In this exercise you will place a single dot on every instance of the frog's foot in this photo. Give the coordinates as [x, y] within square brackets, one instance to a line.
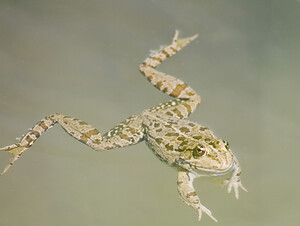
[206, 211]
[16, 150]
[234, 183]
[180, 43]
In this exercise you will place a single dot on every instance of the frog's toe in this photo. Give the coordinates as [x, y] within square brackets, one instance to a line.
[207, 212]
[180, 43]
[16, 150]
[241, 186]
[235, 185]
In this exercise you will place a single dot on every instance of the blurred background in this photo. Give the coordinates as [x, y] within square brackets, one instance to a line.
[80, 58]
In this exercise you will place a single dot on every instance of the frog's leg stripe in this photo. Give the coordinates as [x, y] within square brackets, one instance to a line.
[127, 133]
[169, 84]
[188, 194]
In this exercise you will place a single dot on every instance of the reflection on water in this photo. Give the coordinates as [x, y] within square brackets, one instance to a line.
[81, 59]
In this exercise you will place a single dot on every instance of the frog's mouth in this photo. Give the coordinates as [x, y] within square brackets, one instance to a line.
[212, 172]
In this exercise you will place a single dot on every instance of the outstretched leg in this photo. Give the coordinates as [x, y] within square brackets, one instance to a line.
[188, 194]
[126, 133]
[188, 99]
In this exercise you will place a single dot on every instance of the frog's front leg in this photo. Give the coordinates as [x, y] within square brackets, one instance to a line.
[188, 194]
[235, 180]
[126, 133]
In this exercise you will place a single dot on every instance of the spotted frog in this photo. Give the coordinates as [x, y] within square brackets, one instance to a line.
[192, 148]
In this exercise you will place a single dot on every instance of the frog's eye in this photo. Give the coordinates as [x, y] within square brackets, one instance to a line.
[226, 144]
[199, 151]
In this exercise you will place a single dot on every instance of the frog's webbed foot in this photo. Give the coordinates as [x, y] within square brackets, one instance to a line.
[235, 180]
[180, 43]
[189, 196]
[234, 183]
[16, 150]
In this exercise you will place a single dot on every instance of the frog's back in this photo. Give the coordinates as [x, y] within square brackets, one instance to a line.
[169, 138]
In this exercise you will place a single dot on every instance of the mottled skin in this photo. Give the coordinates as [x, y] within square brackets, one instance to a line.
[192, 148]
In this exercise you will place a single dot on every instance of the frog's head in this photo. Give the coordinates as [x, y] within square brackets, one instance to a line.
[209, 156]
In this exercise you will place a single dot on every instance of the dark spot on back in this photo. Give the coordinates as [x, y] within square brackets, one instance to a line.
[203, 128]
[156, 124]
[169, 113]
[179, 150]
[159, 140]
[184, 129]
[172, 134]
[169, 147]
[81, 122]
[185, 142]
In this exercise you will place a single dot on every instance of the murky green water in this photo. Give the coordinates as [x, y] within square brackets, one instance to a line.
[81, 58]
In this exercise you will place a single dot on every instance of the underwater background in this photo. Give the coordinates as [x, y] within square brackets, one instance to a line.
[80, 58]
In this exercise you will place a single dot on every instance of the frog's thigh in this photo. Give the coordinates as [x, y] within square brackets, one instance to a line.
[124, 134]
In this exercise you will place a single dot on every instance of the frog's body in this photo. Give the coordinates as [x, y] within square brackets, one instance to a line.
[190, 147]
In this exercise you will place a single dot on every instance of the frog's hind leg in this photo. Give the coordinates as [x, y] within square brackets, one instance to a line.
[169, 84]
[126, 133]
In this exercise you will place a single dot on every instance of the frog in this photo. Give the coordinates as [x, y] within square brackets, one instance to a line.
[192, 149]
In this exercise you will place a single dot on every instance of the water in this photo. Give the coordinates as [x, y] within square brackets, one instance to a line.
[81, 59]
